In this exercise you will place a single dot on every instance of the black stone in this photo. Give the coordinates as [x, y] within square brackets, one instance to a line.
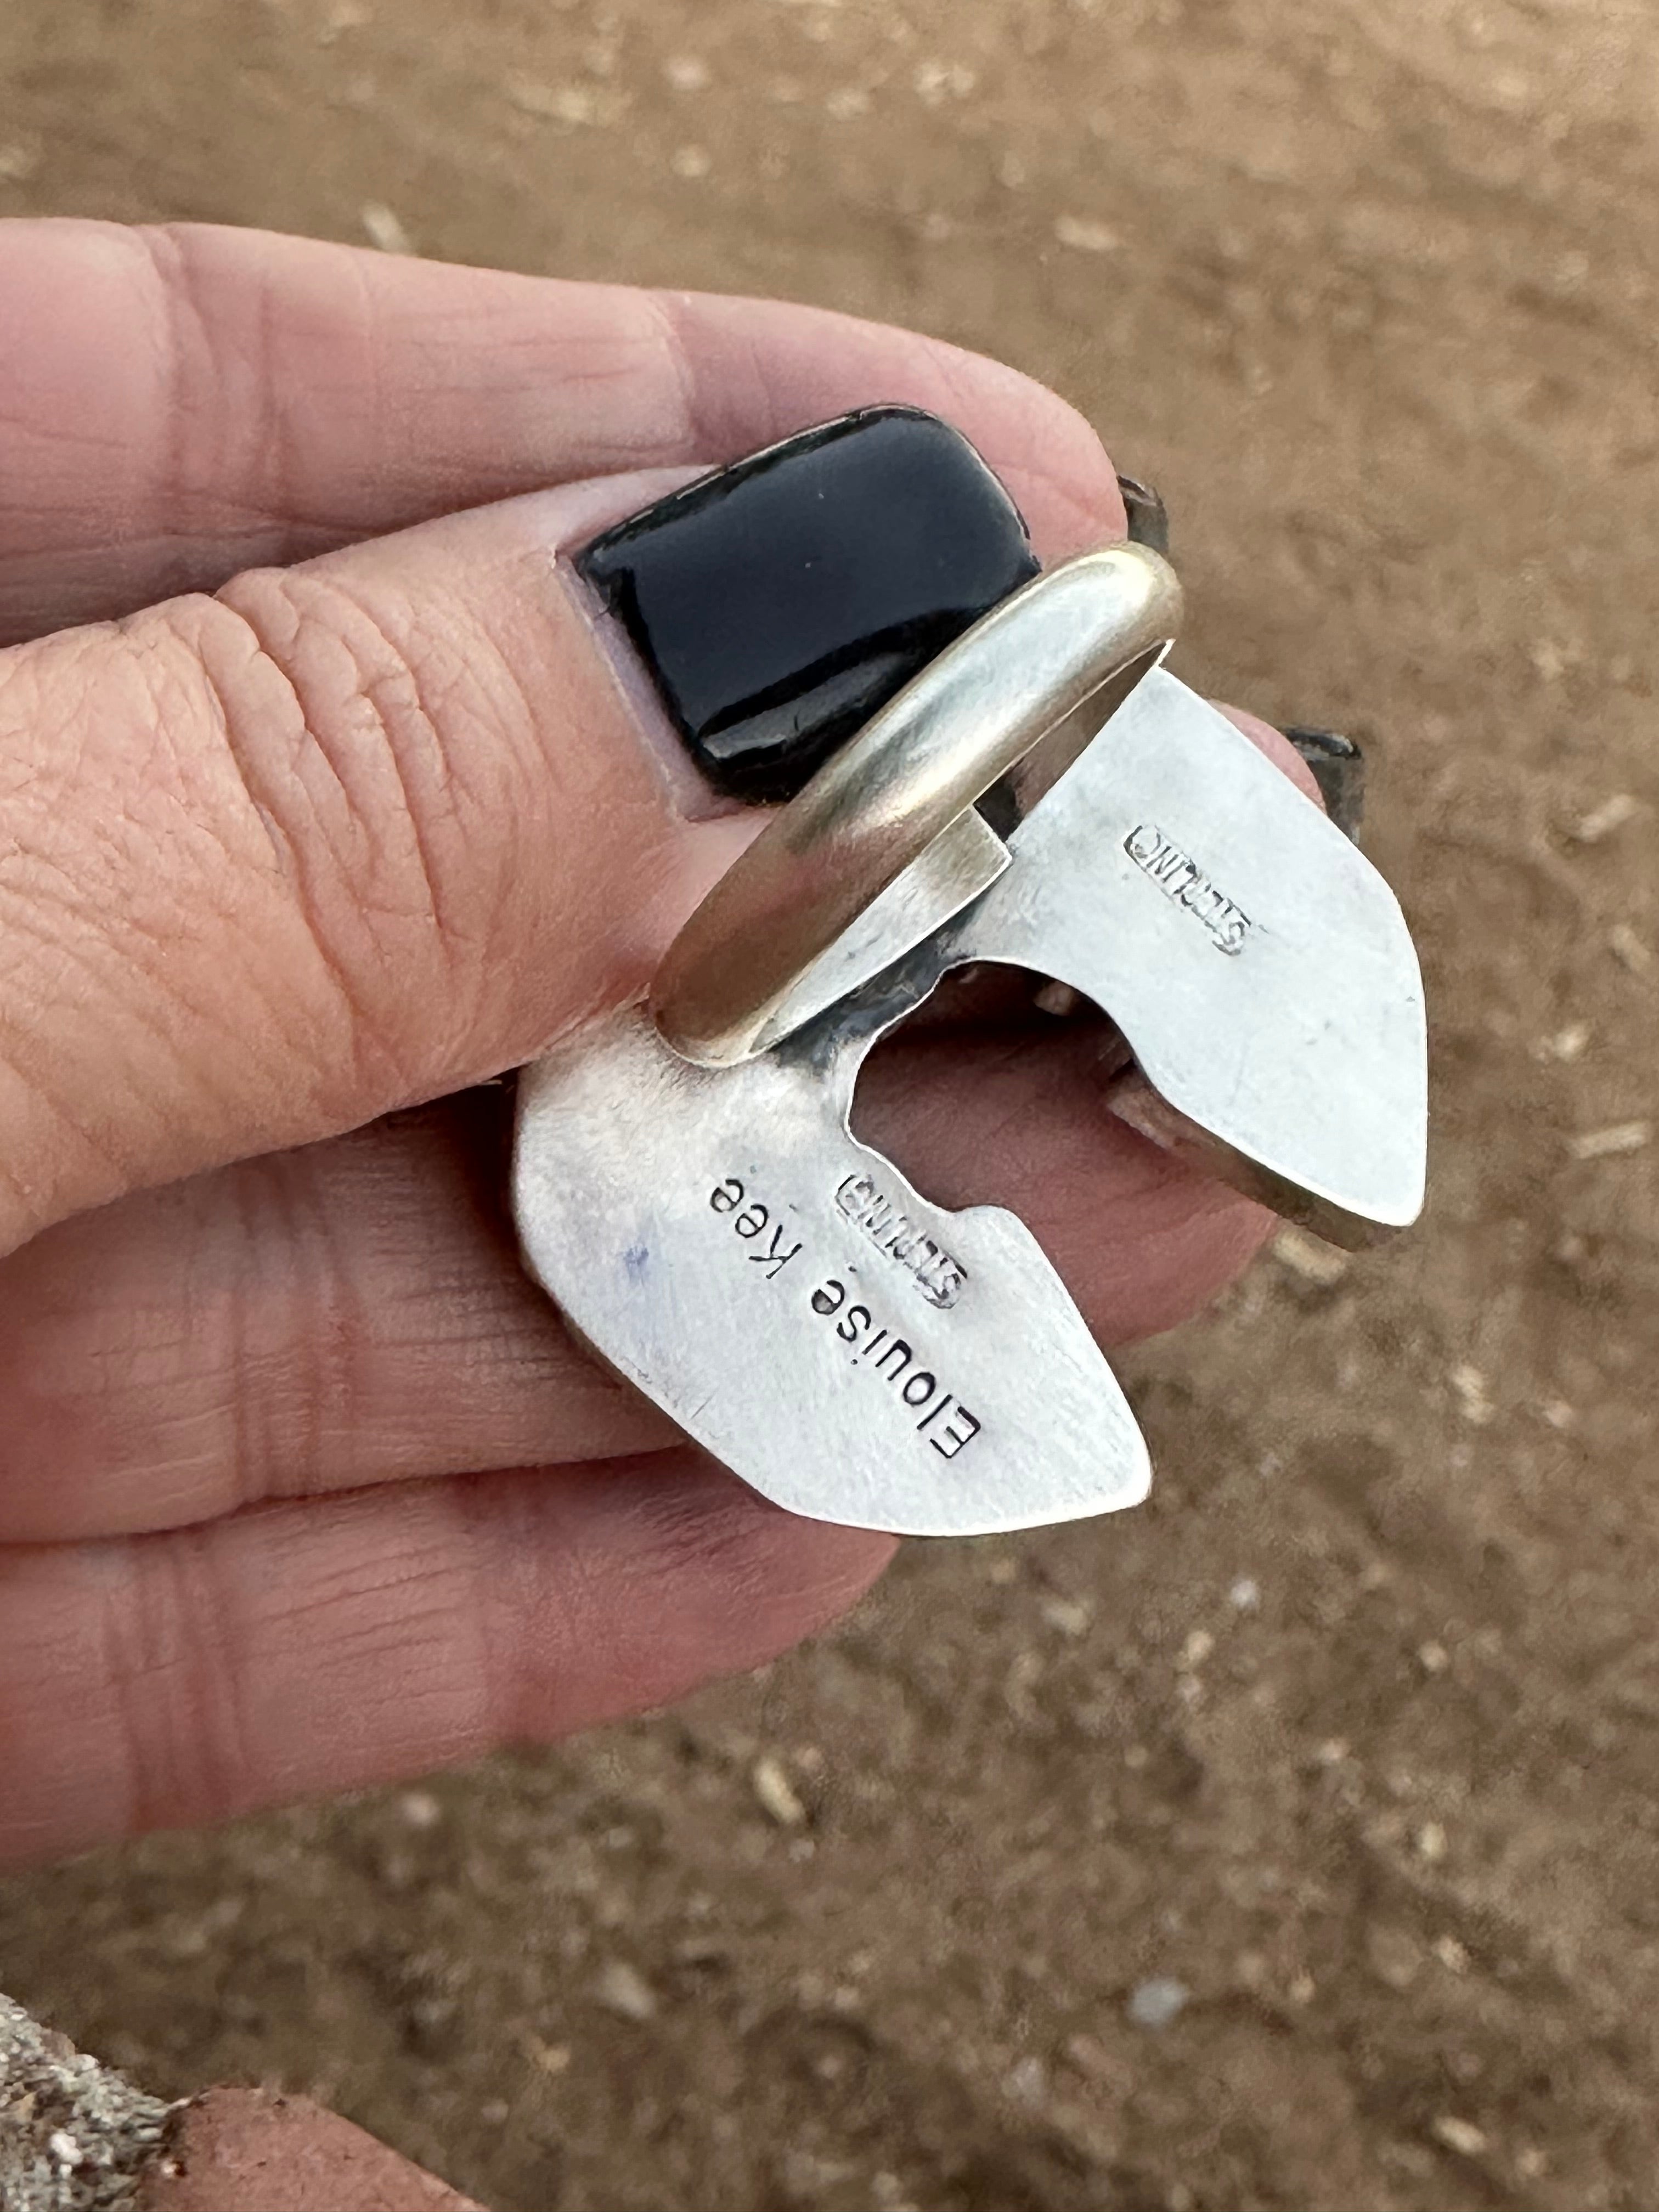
[1338, 769]
[780, 602]
[1149, 518]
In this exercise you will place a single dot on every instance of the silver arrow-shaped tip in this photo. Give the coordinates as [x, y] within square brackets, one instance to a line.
[1257, 963]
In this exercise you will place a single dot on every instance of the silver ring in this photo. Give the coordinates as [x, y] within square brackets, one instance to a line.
[1035, 667]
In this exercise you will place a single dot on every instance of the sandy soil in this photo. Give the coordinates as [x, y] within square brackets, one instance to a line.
[1354, 1732]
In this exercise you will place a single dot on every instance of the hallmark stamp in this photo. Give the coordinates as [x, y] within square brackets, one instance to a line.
[1181, 878]
[936, 1273]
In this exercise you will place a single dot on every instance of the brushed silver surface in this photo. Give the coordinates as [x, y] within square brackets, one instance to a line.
[854, 1352]
[1257, 963]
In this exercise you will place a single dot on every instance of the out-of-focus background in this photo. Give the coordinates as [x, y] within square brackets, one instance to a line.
[1290, 1843]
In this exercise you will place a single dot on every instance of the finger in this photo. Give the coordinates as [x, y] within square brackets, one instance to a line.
[181, 403]
[356, 1312]
[165, 1680]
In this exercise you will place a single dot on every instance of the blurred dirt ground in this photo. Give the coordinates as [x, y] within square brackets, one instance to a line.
[1353, 1733]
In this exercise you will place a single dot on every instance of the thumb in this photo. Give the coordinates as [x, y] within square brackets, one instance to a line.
[344, 836]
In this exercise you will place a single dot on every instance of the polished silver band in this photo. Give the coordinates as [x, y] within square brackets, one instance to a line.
[1051, 662]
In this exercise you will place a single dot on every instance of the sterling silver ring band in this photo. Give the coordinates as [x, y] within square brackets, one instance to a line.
[1050, 663]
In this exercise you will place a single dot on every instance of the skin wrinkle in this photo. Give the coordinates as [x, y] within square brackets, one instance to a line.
[61, 1113]
[132, 840]
[662, 306]
[229, 865]
[262, 433]
[400, 700]
[402, 725]
[332, 1323]
[51, 1640]
[248, 1301]
[169, 275]
[167, 1656]
[509, 1583]
[377, 1062]
[208, 683]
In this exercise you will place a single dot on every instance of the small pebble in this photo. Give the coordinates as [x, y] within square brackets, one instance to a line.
[622, 1989]
[1027, 2081]
[384, 228]
[1245, 1594]
[937, 82]
[1393, 1956]
[1609, 1144]
[63, 2148]
[1473, 1400]
[1304, 1255]
[1431, 1842]
[1083, 236]
[686, 72]
[1601, 821]
[1461, 2136]
[419, 1808]
[1156, 2002]
[550, 2058]
[1628, 949]
[1567, 1045]
[690, 163]
[1070, 1615]
[581, 105]
[776, 1793]
[1433, 1658]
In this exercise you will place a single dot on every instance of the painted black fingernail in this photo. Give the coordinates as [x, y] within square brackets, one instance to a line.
[1338, 769]
[1149, 518]
[779, 603]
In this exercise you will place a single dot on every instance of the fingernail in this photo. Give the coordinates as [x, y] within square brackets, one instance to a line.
[778, 604]
[1149, 518]
[1338, 769]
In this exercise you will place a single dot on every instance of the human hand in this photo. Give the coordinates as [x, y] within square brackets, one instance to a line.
[302, 1485]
